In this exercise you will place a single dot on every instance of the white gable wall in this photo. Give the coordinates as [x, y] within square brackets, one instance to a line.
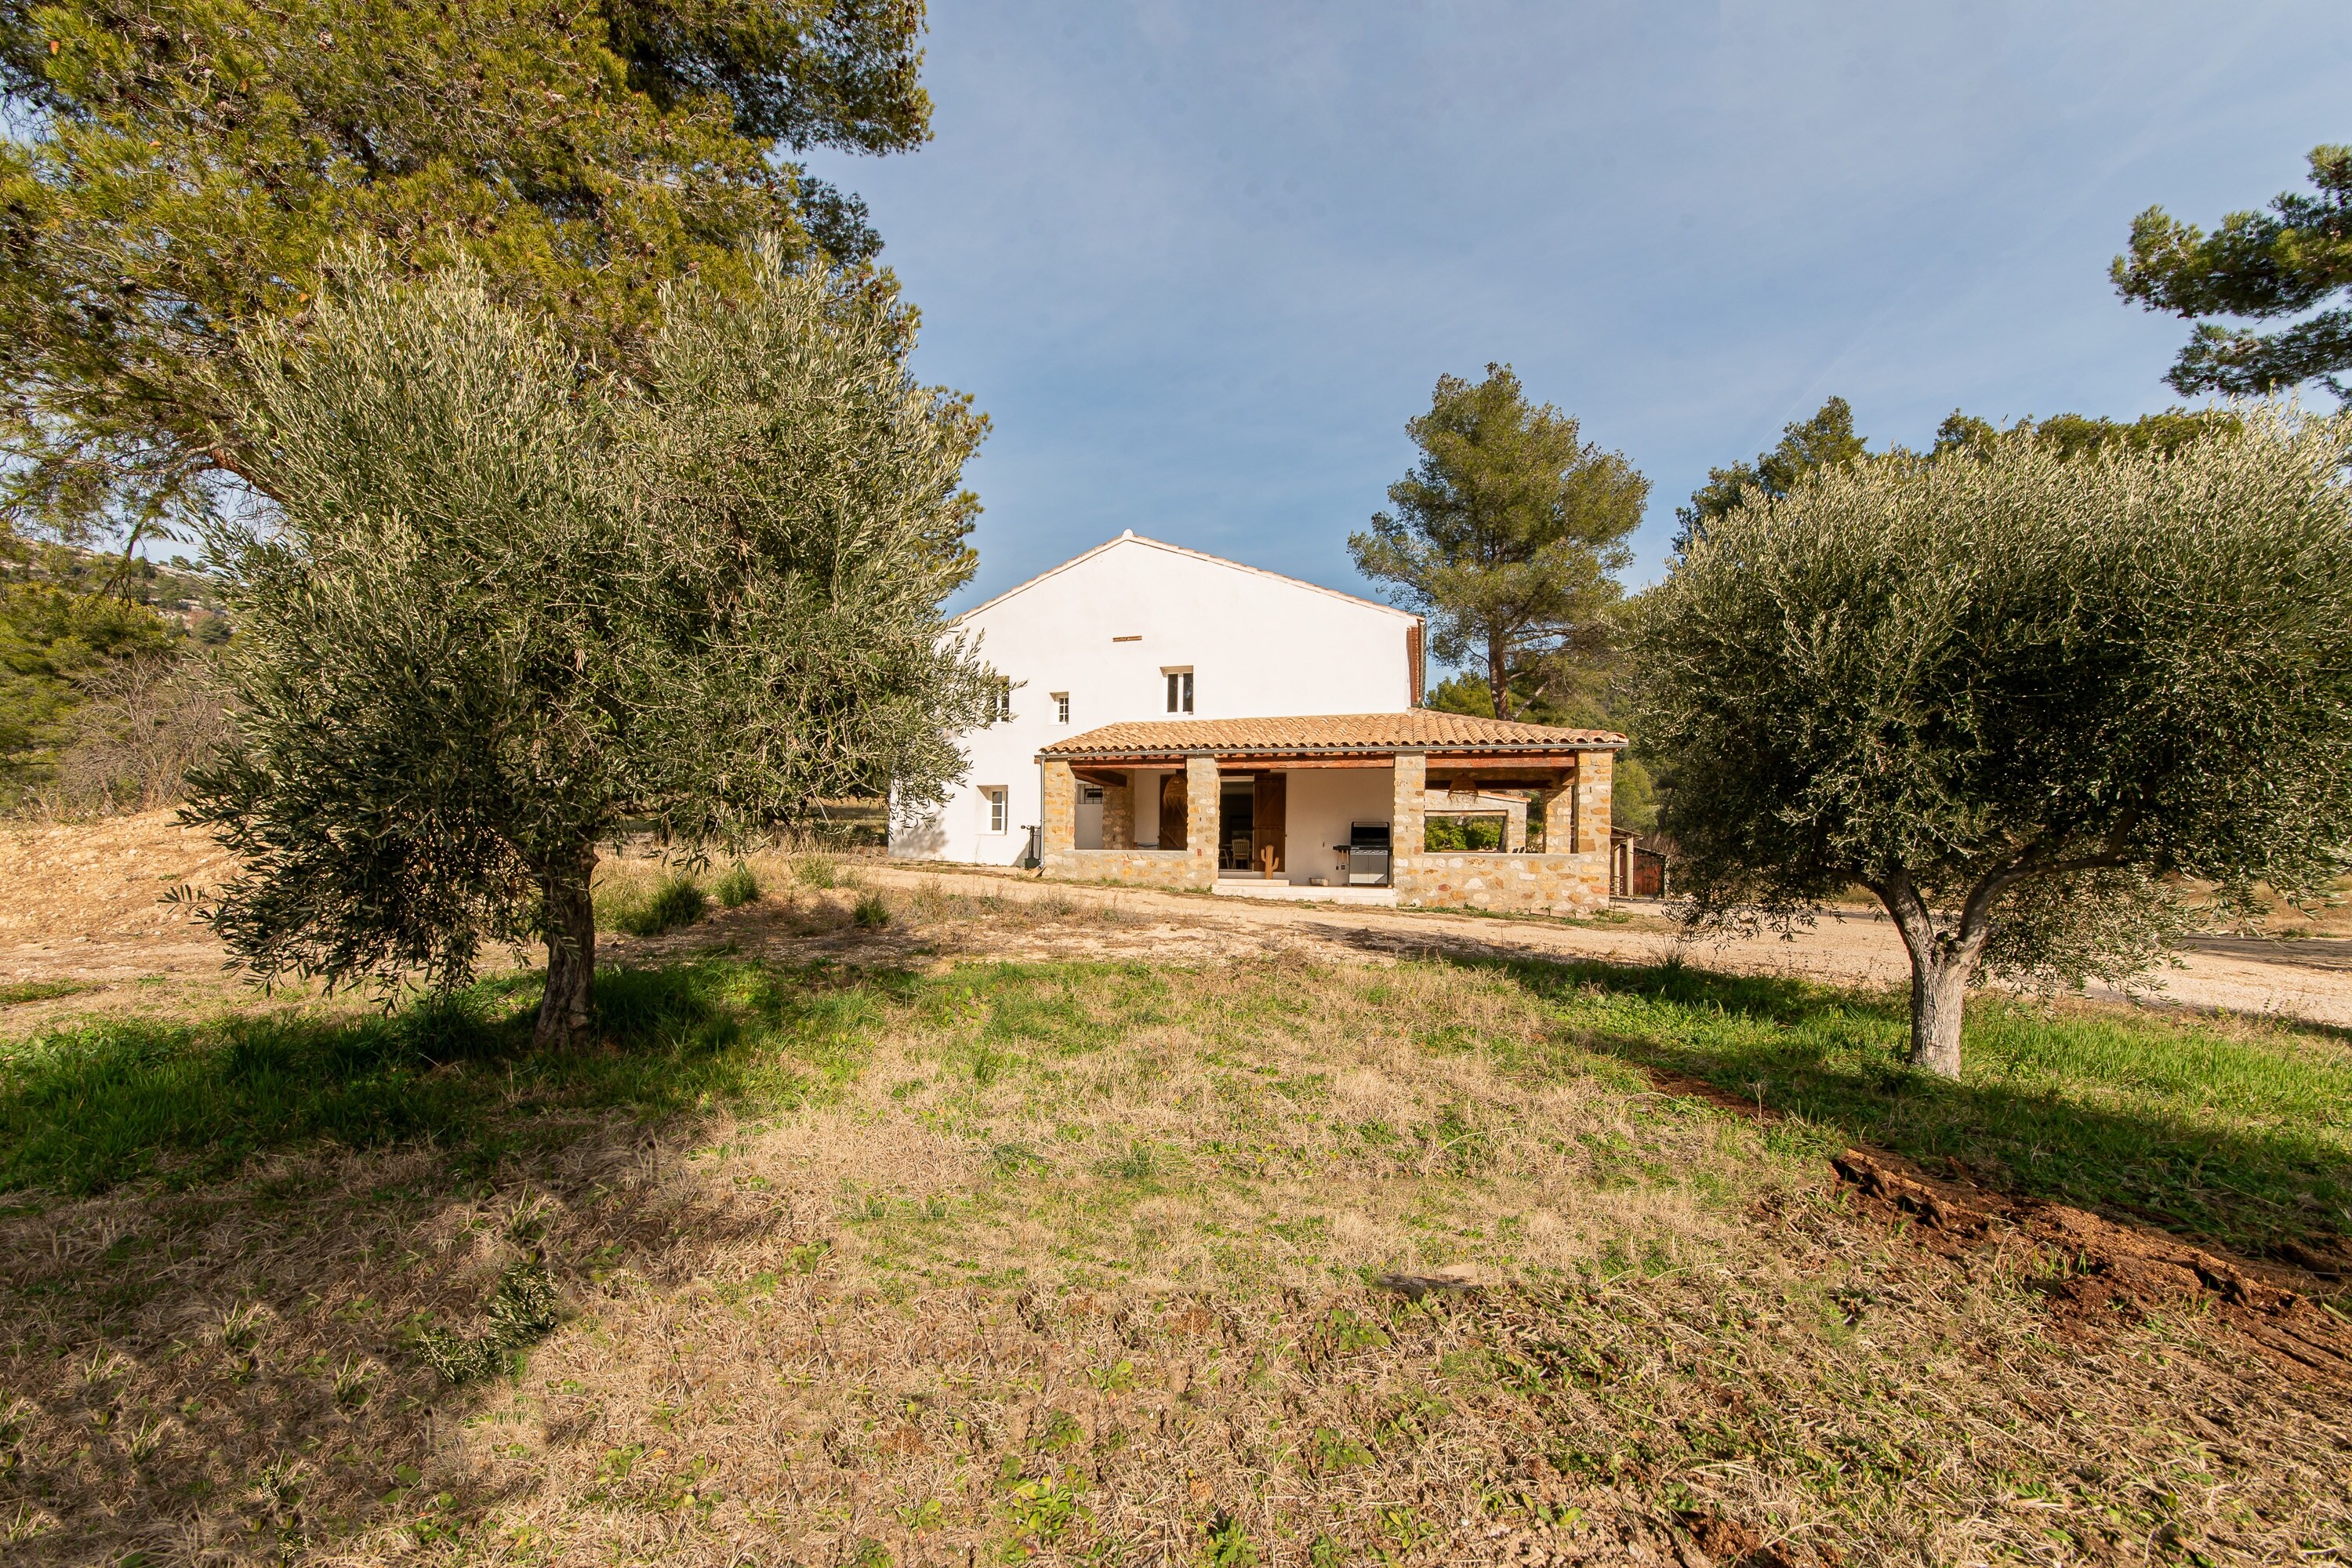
[1258, 646]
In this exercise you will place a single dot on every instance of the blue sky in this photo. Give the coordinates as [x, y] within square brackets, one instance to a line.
[1200, 262]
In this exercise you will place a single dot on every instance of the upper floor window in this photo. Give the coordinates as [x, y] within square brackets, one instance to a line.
[1000, 704]
[1179, 691]
[1061, 707]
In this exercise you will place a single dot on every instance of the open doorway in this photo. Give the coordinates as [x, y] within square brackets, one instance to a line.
[1250, 833]
[1236, 826]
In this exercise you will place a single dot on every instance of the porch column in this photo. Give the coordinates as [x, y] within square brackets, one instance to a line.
[1595, 784]
[1515, 828]
[1119, 817]
[1058, 833]
[1408, 803]
[1559, 816]
[1202, 807]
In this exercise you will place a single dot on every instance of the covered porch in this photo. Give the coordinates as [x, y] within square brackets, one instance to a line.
[1336, 807]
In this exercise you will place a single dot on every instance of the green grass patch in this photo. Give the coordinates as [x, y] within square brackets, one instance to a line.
[99, 1103]
[644, 908]
[42, 990]
[2234, 1132]
[737, 888]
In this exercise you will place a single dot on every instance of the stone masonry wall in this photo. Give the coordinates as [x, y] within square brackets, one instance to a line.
[1522, 884]
[1596, 774]
[1203, 809]
[1057, 830]
[1576, 815]
[1131, 867]
[1407, 812]
[1576, 820]
[1119, 817]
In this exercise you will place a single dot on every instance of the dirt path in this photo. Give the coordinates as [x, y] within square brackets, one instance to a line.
[2310, 981]
[83, 902]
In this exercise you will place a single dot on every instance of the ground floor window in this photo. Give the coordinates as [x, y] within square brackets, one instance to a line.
[998, 811]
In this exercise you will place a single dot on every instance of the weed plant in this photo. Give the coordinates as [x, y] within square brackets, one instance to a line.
[739, 886]
[871, 913]
[641, 907]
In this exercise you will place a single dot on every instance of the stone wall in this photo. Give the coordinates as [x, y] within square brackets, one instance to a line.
[1405, 805]
[1132, 868]
[1119, 817]
[1596, 774]
[1524, 884]
[1057, 823]
[1571, 876]
[1203, 809]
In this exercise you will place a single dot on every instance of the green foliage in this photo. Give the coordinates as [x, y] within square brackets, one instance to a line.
[650, 908]
[1506, 534]
[1825, 441]
[87, 1105]
[522, 1310]
[42, 990]
[2077, 436]
[2015, 695]
[737, 888]
[53, 643]
[505, 604]
[2261, 265]
[1441, 834]
[181, 169]
[1575, 697]
[871, 912]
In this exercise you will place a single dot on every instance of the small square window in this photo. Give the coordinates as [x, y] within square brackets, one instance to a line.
[998, 814]
[1061, 707]
[1179, 691]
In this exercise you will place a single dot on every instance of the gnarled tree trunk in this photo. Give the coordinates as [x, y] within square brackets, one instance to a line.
[1943, 963]
[571, 920]
[1939, 993]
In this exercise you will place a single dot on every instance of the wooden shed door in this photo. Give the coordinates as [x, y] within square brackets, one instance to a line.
[1267, 819]
[1174, 808]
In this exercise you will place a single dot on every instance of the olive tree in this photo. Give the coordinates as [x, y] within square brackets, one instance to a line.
[503, 606]
[2018, 696]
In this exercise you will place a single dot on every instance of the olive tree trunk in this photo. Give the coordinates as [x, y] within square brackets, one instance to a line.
[570, 922]
[1943, 964]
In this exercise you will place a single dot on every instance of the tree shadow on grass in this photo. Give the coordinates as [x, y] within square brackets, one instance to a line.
[90, 1104]
[229, 1251]
[2236, 1135]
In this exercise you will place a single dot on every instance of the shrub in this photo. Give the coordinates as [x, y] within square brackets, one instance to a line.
[815, 871]
[737, 888]
[872, 913]
[1441, 834]
[649, 911]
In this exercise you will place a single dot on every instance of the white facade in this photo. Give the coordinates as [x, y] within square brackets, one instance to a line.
[1094, 641]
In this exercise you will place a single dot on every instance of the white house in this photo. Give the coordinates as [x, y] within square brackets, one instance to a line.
[1135, 630]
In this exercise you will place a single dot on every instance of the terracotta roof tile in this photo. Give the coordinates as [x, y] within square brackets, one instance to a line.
[1418, 730]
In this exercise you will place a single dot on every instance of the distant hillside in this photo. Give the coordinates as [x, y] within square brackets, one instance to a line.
[106, 690]
[178, 590]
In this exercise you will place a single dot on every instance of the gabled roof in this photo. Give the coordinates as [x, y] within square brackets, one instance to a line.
[1131, 537]
[1326, 734]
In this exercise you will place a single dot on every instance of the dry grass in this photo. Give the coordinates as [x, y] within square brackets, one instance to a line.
[1084, 1261]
